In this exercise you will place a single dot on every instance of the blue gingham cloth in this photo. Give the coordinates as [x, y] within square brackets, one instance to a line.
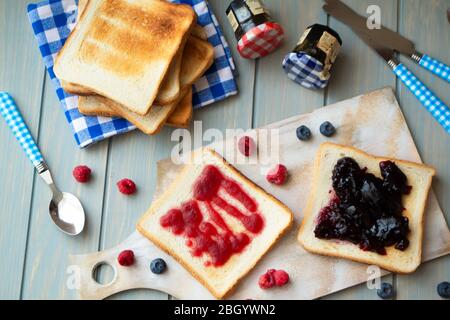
[305, 70]
[52, 21]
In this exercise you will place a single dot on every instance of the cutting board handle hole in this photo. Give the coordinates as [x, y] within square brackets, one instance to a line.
[103, 273]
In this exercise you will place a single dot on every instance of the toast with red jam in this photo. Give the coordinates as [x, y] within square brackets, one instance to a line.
[215, 222]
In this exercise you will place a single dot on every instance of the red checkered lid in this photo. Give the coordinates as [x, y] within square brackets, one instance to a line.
[260, 40]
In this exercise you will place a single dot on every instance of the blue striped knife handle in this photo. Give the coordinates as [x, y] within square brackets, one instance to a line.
[432, 103]
[438, 68]
[14, 120]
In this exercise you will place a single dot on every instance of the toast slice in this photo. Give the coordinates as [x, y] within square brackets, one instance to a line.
[122, 49]
[169, 90]
[149, 124]
[418, 176]
[198, 57]
[200, 239]
[180, 118]
[199, 32]
[91, 106]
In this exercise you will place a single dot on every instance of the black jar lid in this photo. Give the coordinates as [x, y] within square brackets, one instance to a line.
[327, 29]
[245, 18]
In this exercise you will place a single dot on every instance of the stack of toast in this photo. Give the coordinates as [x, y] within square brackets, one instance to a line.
[136, 59]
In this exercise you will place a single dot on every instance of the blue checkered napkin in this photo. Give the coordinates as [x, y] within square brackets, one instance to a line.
[52, 21]
[305, 70]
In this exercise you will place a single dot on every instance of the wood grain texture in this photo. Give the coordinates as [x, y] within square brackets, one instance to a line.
[21, 74]
[431, 36]
[132, 156]
[38, 251]
[276, 96]
[359, 70]
[236, 111]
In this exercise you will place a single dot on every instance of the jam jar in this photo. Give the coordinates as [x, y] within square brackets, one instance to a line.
[256, 32]
[310, 63]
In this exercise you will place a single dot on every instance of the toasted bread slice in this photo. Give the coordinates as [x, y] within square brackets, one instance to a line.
[198, 56]
[169, 90]
[150, 124]
[197, 31]
[122, 49]
[218, 279]
[91, 106]
[419, 177]
[180, 118]
[182, 115]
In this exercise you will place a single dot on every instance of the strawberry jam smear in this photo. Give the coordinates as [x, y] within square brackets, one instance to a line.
[211, 235]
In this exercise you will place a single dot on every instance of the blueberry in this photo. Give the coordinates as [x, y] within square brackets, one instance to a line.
[158, 266]
[303, 133]
[443, 290]
[386, 291]
[327, 129]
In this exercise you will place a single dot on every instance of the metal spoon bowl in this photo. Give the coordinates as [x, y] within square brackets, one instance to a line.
[68, 214]
[65, 209]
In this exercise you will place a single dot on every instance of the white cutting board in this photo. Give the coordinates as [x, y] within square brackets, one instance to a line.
[373, 123]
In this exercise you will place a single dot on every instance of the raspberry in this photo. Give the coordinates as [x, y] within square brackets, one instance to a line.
[266, 281]
[246, 146]
[126, 258]
[81, 173]
[277, 175]
[281, 277]
[271, 272]
[126, 186]
[273, 278]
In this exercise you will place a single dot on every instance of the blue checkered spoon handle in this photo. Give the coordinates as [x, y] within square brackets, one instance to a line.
[438, 68]
[431, 102]
[14, 120]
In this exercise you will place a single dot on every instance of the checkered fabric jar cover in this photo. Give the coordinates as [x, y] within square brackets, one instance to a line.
[305, 70]
[260, 40]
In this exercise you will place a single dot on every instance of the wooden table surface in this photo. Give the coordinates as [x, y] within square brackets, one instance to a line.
[34, 252]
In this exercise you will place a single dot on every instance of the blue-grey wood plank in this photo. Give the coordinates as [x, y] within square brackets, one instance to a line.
[425, 23]
[21, 74]
[359, 70]
[135, 155]
[276, 96]
[48, 248]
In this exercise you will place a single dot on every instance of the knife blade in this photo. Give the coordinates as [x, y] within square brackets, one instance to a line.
[358, 24]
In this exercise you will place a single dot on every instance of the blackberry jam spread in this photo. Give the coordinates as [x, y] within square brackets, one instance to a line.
[201, 222]
[365, 209]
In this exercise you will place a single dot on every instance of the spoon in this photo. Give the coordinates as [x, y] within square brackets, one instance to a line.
[65, 209]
